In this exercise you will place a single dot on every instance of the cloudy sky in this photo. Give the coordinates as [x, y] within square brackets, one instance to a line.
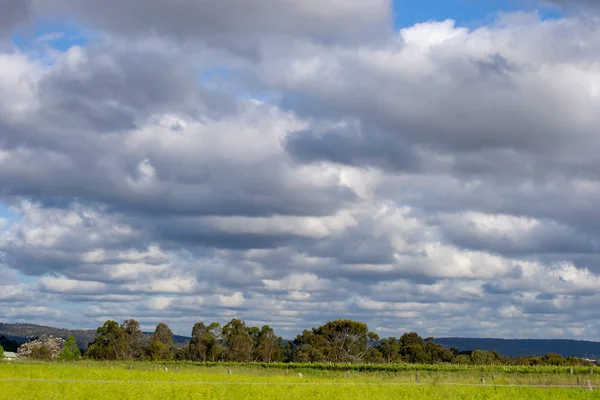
[429, 167]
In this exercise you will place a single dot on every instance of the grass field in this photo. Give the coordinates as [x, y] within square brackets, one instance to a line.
[94, 380]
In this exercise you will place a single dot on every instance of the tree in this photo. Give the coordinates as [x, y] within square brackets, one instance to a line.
[163, 334]
[390, 349]
[268, 346]
[346, 340]
[160, 345]
[238, 343]
[70, 350]
[133, 339]
[373, 356]
[553, 359]
[438, 353]
[461, 359]
[109, 343]
[203, 341]
[416, 354]
[308, 347]
[158, 351]
[1, 351]
[42, 353]
[482, 357]
[411, 338]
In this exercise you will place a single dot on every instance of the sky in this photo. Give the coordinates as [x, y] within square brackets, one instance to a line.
[420, 166]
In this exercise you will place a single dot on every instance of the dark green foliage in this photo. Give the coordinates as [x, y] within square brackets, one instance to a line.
[482, 357]
[203, 345]
[160, 345]
[9, 345]
[133, 339]
[268, 346]
[70, 350]
[1, 351]
[390, 350]
[462, 359]
[237, 341]
[41, 353]
[110, 343]
[336, 341]
[340, 342]
[158, 351]
[163, 334]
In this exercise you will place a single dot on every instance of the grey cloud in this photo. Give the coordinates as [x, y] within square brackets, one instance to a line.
[13, 13]
[91, 135]
[352, 146]
[541, 237]
[579, 5]
[234, 24]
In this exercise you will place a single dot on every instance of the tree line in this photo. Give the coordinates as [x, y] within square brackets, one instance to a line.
[340, 341]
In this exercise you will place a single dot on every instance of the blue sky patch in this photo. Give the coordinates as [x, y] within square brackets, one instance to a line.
[469, 13]
[60, 35]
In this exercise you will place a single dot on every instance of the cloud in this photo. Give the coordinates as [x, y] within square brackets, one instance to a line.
[233, 24]
[188, 164]
[13, 13]
[579, 5]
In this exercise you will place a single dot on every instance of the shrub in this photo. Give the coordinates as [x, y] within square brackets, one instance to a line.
[70, 350]
[41, 353]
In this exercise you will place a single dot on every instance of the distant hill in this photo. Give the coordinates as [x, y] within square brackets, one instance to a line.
[21, 333]
[526, 347]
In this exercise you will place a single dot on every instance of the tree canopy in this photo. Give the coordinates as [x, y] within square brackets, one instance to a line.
[339, 341]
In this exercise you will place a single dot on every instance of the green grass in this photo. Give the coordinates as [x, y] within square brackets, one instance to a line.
[94, 380]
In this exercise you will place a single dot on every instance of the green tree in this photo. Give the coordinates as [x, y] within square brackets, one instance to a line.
[163, 334]
[109, 343]
[482, 357]
[268, 347]
[1, 351]
[41, 353]
[238, 342]
[70, 350]
[553, 359]
[416, 354]
[461, 359]
[373, 356]
[411, 338]
[158, 351]
[203, 341]
[346, 340]
[308, 347]
[160, 345]
[438, 353]
[390, 349]
[133, 339]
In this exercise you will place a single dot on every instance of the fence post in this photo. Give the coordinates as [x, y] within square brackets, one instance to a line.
[571, 370]
[589, 385]
[417, 378]
[483, 381]
[578, 381]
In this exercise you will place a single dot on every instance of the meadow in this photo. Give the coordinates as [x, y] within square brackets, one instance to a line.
[139, 380]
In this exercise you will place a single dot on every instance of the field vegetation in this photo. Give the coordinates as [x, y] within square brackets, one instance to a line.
[182, 380]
